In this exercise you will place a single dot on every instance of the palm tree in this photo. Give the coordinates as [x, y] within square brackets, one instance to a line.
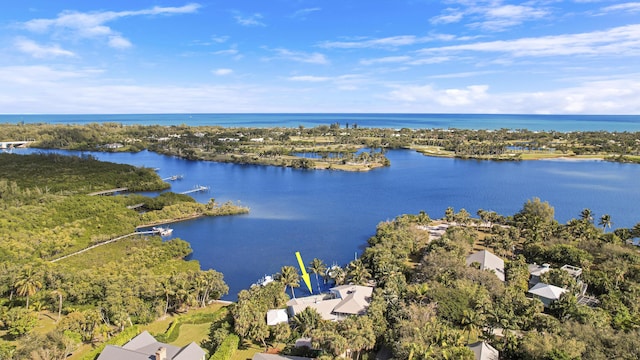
[605, 221]
[470, 321]
[58, 294]
[306, 321]
[317, 266]
[358, 272]
[419, 292]
[289, 277]
[586, 215]
[337, 274]
[28, 283]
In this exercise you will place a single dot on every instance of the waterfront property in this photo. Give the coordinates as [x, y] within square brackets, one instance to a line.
[487, 261]
[341, 302]
[145, 347]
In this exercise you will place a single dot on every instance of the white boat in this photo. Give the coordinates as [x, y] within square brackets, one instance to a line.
[163, 231]
[263, 281]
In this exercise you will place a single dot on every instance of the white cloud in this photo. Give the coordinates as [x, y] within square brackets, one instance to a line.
[447, 97]
[309, 78]
[302, 13]
[251, 20]
[91, 25]
[430, 60]
[222, 72]
[34, 76]
[451, 16]
[41, 51]
[226, 52]
[461, 74]
[387, 42]
[385, 60]
[299, 56]
[616, 96]
[33, 89]
[490, 15]
[619, 41]
[118, 42]
[219, 39]
[629, 8]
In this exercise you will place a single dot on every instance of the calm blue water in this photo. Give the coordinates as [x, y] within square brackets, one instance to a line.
[562, 123]
[331, 214]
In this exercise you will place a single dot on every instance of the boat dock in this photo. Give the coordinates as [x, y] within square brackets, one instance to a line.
[197, 188]
[173, 178]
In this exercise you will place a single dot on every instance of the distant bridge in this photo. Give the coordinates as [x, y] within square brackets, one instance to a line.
[14, 144]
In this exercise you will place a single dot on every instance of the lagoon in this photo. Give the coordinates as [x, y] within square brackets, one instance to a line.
[331, 214]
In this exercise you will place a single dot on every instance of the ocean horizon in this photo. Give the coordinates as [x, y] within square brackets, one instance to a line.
[534, 122]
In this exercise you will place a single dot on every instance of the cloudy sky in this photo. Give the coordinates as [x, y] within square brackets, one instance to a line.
[396, 56]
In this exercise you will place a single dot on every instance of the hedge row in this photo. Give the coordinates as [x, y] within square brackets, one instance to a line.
[228, 347]
[118, 340]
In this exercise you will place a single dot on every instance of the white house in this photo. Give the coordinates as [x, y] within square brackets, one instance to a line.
[536, 271]
[341, 302]
[546, 293]
[488, 261]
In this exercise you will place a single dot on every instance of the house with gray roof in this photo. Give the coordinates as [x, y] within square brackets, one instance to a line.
[265, 356]
[341, 302]
[484, 351]
[488, 261]
[146, 347]
[536, 271]
[546, 293]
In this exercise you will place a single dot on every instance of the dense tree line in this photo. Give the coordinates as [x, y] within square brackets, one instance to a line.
[275, 146]
[96, 294]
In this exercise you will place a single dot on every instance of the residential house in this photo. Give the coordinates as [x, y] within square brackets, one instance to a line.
[341, 302]
[484, 351]
[546, 293]
[536, 271]
[277, 316]
[146, 347]
[488, 261]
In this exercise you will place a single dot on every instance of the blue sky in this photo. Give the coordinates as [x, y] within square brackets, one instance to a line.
[396, 56]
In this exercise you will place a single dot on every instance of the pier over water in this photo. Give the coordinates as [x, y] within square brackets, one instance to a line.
[14, 144]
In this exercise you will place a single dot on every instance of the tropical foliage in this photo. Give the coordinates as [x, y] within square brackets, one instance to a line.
[96, 294]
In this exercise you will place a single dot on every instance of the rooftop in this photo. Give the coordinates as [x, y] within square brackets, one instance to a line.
[488, 261]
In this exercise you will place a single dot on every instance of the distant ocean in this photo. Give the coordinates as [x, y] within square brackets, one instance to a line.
[562, 123]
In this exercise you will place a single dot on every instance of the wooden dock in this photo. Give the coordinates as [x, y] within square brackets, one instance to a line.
[108, 192]
[105, 243]
[198, 188]
[173, 178]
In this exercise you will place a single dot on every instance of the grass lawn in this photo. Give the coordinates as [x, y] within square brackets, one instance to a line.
[247, 351]
[192, 333]
[188, 332]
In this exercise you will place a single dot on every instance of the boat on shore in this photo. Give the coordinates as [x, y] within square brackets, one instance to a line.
[162, 231]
